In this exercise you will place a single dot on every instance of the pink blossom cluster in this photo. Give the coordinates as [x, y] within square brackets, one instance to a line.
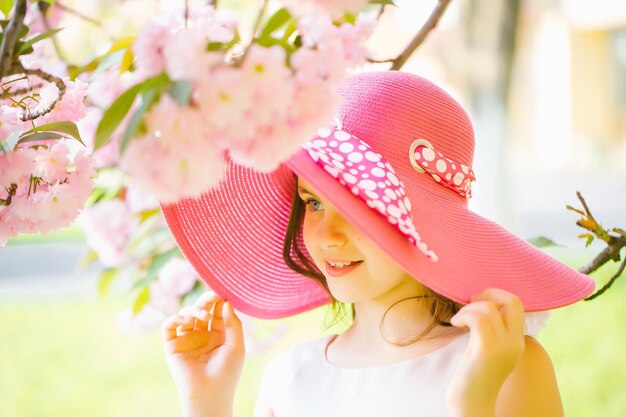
[110, 225]
[330, 8]
[257, 113]
[43, 184]
[61, 190]
[175, 279]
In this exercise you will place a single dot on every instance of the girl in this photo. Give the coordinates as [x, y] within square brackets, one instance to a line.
[371, 212]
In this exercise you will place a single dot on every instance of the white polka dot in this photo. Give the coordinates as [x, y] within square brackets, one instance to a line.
[346, 147]
[399, 192]
[353, 171]
[394, 180]
[378, 205]
[386, 199]
[349, 163]
[448, 176]
[380, 164]
[388, 182]
[362, 167]
[367, 185]
[351, 179]
[437, 177]
[464, 168]
[362, 147]
[342, 135]
[407, 203]
[402, 207]
[333, 143]
[355, 190]
[441, 166]
[453, 166]
[355, 157]
[331, 170]
[458, 178]
[372, 156]
[381, 184]
[323, 132]
[428, 153]
[389, 192]
[392, 220]
[320, 142]
[365, 176]
[378, 172]
[372, 195]
[417, 156]
[393, 210]
[336, 156]
[422, 246]
[389, 167]
[338, 164]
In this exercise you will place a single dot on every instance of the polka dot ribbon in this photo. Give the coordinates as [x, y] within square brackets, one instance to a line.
[367, 175]
[445, 171]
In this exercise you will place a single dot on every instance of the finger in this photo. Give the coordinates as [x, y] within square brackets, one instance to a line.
[510, 305]
[201, 317]
[481, 317]
[169, 325]
[233, 328]
[207, 299]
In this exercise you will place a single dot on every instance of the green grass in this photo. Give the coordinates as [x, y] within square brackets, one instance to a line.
[65, 357]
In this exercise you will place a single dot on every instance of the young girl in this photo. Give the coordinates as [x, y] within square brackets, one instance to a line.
[371, 212]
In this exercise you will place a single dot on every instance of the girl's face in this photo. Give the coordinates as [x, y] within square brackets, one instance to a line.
[330, 237]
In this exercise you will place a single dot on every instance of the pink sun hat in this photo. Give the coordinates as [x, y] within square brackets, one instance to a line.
[397, 165]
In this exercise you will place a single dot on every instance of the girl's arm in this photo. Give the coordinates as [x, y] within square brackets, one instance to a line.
[502, 373]
[531, 389]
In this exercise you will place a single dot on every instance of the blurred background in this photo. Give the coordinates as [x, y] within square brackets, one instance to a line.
[545, 84]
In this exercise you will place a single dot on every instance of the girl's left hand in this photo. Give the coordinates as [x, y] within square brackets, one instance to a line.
[495, 319]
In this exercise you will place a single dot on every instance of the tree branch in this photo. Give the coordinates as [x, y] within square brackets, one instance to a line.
[419, 38]
[50, 78]
[257, 23]
[619, 272]
[10, 36]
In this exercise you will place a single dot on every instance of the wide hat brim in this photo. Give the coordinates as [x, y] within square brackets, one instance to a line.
[233, 235]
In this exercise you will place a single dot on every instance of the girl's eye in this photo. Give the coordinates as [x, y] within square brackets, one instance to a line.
[314, 204]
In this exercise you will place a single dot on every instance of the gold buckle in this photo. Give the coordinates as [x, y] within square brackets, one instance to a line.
[413, 147]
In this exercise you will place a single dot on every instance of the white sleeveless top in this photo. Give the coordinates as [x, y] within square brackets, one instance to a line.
[301, 382]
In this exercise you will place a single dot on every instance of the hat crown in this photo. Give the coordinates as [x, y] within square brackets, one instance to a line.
[389, 110]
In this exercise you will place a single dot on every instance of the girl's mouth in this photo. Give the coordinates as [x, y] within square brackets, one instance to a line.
[340, 271]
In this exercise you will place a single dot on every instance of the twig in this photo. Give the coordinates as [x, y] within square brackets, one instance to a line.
[419, 38]
[50, 78]
[619, 272]
[239, 61]
[10, 36]
[77, 13]
[612, 252]
[12, 93]
[186, 13]
[43, 9]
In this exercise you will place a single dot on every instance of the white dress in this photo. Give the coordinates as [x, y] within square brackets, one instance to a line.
[301, 382]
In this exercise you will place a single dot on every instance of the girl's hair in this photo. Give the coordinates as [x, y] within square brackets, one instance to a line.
[295, 255]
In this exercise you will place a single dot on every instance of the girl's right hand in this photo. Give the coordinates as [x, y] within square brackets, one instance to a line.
[205, 360]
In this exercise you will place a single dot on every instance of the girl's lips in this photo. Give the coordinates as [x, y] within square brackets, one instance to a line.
[337, 272]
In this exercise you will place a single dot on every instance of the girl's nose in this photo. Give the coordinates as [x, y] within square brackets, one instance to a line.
[331, 230]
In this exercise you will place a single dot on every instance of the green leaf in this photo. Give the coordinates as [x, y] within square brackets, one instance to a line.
[198, 288]
[29, 43]
[589, 240]
[155, 266]
[275, 22]
[114, 115]
[181, 92]
[292, 26]
[542, 242]
[88, 259]
[66, 127]
[10, 142]
[104, 281]
[267, 42]
[142, 299]
[147, 99]
[40, 136]
[6, 6]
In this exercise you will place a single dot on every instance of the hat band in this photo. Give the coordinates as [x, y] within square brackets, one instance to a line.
[451, 174]
[369, 176]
